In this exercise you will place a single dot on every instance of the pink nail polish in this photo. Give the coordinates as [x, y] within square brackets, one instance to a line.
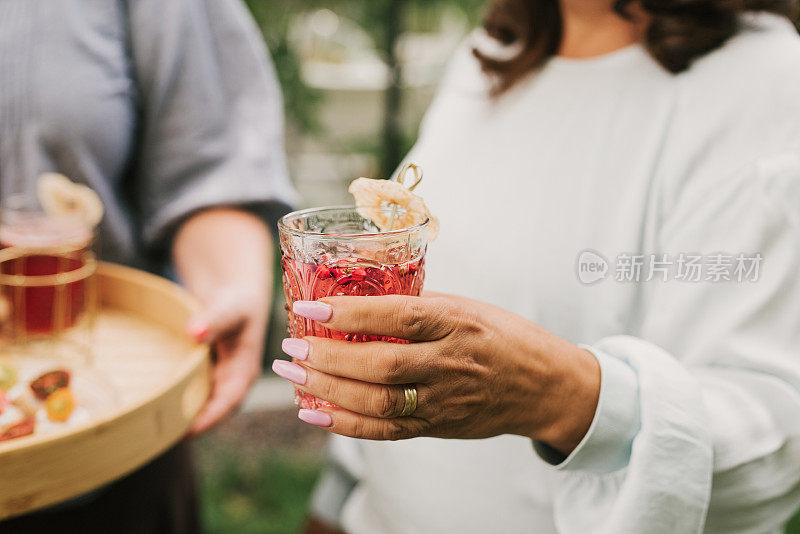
[313, 309]
[290, 371]
[296, 348]
[314, 417]
[198, 330]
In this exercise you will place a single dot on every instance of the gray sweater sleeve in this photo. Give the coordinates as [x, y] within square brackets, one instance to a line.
[211, 113]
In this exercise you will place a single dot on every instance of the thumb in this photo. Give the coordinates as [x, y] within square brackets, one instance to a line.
[218, 319]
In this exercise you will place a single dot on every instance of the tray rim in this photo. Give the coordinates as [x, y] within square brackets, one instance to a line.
[193, 358]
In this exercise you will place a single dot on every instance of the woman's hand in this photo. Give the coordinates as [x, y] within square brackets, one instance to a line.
[234, 323]
[224, 256]
[479, 371]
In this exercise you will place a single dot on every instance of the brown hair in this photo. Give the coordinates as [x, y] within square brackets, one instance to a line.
[679, 32]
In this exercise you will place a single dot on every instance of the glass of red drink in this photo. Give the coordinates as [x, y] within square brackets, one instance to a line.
[46, 277]
[336, 251]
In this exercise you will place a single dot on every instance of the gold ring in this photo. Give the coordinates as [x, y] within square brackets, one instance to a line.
[410, 403]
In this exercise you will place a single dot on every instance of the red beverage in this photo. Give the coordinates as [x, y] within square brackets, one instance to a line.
[328, 258]
[48, 258]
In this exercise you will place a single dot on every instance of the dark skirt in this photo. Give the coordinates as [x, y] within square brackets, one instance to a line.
[159, 498]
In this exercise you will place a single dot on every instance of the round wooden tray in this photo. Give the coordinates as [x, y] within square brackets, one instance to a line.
[160, 376]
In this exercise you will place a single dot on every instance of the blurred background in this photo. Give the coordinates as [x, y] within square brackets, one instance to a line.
[357, 76]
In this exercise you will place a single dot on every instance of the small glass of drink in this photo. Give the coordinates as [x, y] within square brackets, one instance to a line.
[47, 288]
[336, 251]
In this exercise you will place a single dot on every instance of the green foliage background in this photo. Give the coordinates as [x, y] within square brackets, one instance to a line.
[268, 496]
[301, 101]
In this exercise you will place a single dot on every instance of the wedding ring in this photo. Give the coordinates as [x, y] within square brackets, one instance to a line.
[410, 403]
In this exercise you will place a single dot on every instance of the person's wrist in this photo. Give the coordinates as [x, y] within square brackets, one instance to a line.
[245, 290]
[570, 399]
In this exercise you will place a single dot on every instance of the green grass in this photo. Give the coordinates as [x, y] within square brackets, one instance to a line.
[269, 495]
[794, 525]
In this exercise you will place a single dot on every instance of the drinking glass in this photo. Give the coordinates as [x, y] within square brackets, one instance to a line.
[47, 287]
[336, 251]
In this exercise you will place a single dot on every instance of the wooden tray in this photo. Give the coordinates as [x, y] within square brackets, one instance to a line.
[160, 376]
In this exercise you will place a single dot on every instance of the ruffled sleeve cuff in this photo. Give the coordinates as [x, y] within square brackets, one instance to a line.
[606, 447]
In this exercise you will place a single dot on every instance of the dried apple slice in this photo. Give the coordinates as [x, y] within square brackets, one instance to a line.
[373, 196]
[60, 196]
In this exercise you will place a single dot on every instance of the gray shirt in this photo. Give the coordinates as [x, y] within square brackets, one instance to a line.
[163, 107]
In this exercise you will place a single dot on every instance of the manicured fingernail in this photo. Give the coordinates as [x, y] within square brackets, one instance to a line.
[198, 330]
[313, 309]
[314, 417]
[290, 371]
[296, 348]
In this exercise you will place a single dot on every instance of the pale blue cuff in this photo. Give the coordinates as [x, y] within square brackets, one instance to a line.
[606, 447]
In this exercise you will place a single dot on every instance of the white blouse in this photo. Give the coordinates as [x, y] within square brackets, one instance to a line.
[611, 170]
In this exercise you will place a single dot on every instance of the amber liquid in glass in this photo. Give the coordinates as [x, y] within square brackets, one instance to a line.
[45, 309]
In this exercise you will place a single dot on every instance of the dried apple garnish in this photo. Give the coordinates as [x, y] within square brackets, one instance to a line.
[374, 196]
[58, 195]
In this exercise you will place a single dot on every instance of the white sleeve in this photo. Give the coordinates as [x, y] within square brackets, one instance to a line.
[717, 378]
[344, 467]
